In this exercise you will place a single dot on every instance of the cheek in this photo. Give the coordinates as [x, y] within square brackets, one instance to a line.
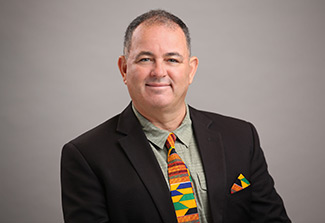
[132, 76]
[135, 81]
[180, 78]
[136, 74]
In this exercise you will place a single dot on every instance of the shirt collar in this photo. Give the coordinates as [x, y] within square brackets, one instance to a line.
[159, 136]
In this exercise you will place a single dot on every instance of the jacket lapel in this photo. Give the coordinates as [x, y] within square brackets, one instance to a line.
[139, 152]
[213, 158]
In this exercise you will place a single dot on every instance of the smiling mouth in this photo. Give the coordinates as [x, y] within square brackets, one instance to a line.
[158, 85]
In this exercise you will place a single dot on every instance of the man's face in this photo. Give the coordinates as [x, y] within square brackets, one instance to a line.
[158, 69]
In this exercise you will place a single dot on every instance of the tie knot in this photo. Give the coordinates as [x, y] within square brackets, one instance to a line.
[170, 142]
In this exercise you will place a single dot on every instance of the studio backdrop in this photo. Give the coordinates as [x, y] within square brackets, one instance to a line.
[261, 61]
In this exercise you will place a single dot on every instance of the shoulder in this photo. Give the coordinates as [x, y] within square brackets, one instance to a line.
[112, 129]
[217, 119]
[98, 136]
[96, 146]
[229, 127]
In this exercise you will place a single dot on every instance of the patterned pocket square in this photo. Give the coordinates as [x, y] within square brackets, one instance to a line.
[240, 184]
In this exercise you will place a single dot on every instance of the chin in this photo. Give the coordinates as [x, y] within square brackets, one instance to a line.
[159, 104]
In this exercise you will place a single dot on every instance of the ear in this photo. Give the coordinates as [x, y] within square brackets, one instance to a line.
[194, 63]
[122, 65]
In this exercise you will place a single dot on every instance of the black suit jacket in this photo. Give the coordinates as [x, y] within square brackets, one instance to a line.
[110, 174]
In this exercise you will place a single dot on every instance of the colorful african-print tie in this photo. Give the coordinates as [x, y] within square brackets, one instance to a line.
[180, 185]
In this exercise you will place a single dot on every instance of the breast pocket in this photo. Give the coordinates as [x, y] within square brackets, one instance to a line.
[241, 196]
[202, 181]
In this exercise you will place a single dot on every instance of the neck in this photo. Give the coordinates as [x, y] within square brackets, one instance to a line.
[163, 118]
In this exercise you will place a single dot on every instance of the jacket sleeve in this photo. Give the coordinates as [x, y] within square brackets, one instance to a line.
[266, 204]
[83, 198]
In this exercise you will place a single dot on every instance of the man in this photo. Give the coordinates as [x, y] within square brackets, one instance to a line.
[211, 169]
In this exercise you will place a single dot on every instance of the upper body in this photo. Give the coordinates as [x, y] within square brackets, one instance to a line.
[186, 147]
[112, 173]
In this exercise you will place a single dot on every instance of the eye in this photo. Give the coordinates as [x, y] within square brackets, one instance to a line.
[146, 59]
[172, 60]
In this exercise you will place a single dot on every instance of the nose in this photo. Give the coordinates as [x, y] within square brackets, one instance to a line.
[158, 69]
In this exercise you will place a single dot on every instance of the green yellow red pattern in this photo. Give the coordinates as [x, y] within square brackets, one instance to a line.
[241, 183]
[180, 185]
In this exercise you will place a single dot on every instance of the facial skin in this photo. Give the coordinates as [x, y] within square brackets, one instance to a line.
[158, 70]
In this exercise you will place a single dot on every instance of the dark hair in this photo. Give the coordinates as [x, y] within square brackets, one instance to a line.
[155, 17]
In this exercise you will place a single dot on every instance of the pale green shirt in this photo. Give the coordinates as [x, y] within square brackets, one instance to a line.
[187, 149]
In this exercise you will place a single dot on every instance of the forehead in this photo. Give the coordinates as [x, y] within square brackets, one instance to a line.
[158, 36]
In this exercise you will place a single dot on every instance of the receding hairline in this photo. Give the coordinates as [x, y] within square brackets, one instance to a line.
[152, 18]
[147, 25]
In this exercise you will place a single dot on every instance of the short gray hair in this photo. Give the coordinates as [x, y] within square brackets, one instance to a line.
[155, 17]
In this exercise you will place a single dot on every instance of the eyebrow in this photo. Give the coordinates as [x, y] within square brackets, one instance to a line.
[143, 53]
[174, 54]
[148, 53]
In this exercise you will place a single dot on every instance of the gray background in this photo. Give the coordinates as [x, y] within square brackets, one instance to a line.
[261, 61]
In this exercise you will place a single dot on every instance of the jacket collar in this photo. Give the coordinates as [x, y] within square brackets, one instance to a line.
[140, 154]
[210, 145]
